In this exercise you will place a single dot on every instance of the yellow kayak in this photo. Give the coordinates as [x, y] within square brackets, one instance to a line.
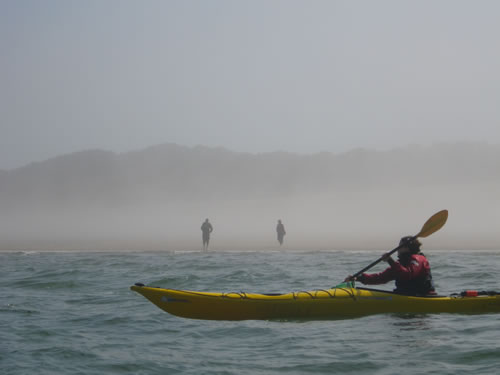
[335, 303]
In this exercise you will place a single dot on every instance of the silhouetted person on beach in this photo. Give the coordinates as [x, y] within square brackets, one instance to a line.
[206, 229]
[280, 230]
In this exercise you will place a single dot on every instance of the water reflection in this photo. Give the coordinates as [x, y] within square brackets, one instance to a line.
[411, 322]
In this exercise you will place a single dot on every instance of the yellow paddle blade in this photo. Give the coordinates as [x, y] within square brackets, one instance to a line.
[434, 224]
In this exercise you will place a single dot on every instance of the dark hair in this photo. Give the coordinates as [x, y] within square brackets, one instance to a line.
[412, 243]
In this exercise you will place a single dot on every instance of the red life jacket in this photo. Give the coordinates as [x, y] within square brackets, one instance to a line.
[412, 275]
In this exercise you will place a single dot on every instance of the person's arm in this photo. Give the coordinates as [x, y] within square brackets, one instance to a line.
[377, 278]
[374, 278]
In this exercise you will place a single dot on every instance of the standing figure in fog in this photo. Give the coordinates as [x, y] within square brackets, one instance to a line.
[206, 229]
[280, 230]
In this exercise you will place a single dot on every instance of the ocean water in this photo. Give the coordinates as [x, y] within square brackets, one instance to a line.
[73, 313]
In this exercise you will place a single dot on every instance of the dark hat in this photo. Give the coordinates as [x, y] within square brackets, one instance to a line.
[411, 243]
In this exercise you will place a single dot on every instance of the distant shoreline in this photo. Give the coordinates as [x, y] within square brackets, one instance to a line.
[241, 250]
[156, 199]
[293, 243]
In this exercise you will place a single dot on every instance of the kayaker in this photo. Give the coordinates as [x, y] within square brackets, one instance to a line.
[206, 229]
[411, 272]
[280, 230]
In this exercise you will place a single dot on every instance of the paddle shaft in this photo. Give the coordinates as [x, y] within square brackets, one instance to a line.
[379, 259]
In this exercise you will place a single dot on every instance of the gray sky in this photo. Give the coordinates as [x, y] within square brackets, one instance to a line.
[300, 76]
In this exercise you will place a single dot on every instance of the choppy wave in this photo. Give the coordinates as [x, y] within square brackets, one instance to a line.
[69, 312]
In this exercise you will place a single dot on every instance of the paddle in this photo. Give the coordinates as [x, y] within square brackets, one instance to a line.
[433, 224]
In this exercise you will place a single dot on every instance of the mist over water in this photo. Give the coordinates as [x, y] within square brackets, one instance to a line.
[84, 83]
[157, 198]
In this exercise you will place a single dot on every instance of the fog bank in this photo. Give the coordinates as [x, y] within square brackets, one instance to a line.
[157, 198]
